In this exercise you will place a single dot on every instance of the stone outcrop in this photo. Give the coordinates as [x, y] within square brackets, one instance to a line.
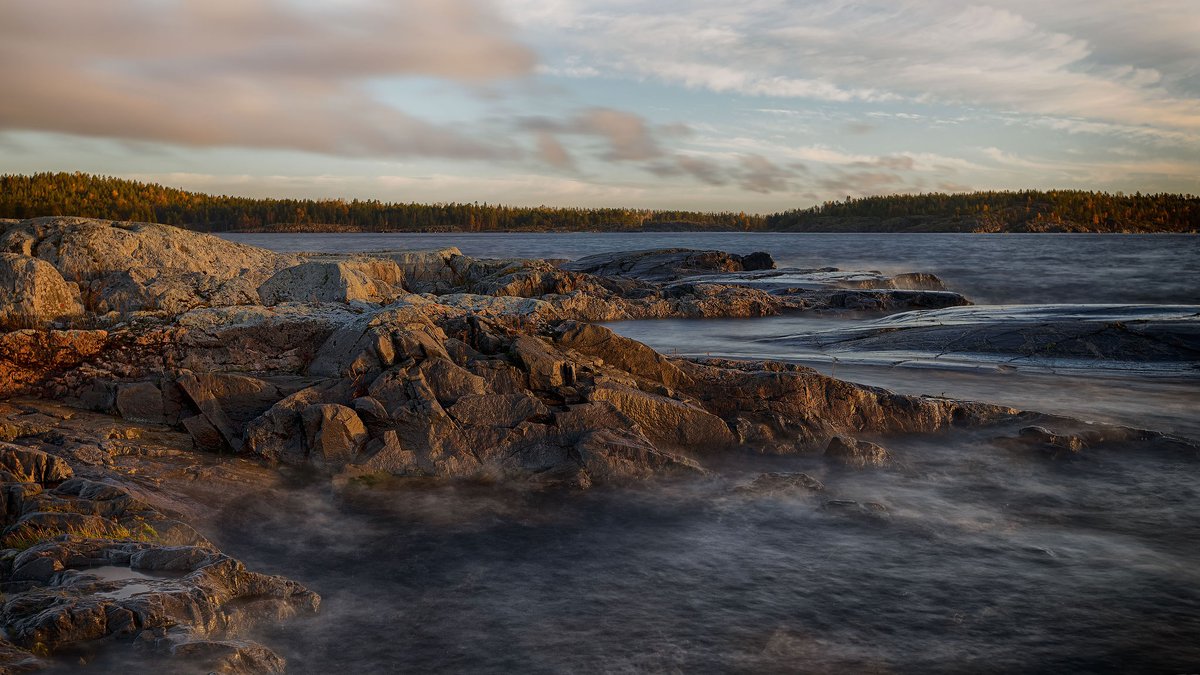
[668, 264]
[366, 280]
[33, 293]
[489, 372]
[83, 248]
[86, 561]
[857, 453]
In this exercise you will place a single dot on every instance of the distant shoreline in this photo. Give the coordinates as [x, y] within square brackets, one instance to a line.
[1031, 211]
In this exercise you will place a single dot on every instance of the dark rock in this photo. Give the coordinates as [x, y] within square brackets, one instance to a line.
[140, 402]
[1043, 436]
[781, 483]
[667, 264]
[856, 453]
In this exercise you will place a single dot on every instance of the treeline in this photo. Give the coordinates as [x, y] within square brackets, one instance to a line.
[79, 194]
[1022, 211]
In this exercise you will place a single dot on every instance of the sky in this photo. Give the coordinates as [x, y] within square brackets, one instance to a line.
[756, 105]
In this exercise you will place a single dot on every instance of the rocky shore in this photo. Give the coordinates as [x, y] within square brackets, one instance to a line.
[148, 372]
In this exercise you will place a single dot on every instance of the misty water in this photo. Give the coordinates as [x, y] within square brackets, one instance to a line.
[972, 553]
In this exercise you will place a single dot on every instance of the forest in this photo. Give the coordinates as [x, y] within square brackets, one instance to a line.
[80, 194]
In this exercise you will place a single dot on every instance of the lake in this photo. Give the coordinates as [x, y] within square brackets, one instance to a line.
[974, 556]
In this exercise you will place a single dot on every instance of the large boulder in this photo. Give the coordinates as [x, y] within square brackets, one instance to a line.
[365, 280]
[33, 293]
[426, 270]
[84, 248]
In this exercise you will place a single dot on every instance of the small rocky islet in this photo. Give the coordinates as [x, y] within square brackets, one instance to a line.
[148, 374]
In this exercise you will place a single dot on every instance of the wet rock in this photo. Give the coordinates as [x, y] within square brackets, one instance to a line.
[363, 280]
[668, 264]
[14, 660]
[219, 596]
[867, 511]
[229, 657]
[172, 559]
[1036, 435]
[856, 453]
[33, 293]
[781, 483]
[334, 433]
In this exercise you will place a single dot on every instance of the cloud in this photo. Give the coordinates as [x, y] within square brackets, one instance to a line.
[552, 152]
[759, 174]
[248, 73]
[1118, 62]
[627, 136]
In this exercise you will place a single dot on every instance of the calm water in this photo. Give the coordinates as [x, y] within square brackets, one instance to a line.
[993, 269]
[982, 556]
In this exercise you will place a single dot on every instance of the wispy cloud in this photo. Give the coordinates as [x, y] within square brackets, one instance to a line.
[248, 73]
[1022, 55]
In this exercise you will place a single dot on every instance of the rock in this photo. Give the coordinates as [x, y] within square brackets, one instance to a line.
[866, 511]
[278, 434]
[15, 660]
[426, 271]
[33, 466]
[386, 454]
[612, 454]
[496, 410]
[334, 434]
[229, 657]
[33, 293]
[84, 248]
[172, 558]
[372, 413]
[668, 264]
[228, 401]
[781, 483]
[140, 402]
[620, 352]
[856, 453]
[74, 608]
[27, 357]
[205, 436]
[667, 421]
[547, 368]
[340, 281]
[1035, 435]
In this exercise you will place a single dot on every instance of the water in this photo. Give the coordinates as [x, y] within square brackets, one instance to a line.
[990, 269]
[985, 555]
[987, 558]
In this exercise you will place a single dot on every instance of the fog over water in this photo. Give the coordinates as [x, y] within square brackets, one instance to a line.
[972, 553]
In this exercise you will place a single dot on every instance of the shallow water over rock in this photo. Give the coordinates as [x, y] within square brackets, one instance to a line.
[970, 551]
